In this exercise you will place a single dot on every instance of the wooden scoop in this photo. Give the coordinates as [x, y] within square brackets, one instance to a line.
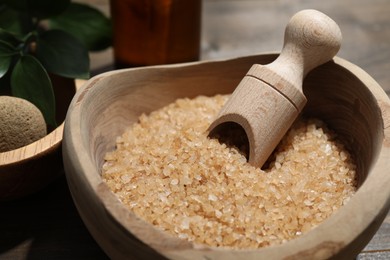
[269, 98]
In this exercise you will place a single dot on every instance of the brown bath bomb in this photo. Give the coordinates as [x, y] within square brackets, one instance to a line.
[21, 123]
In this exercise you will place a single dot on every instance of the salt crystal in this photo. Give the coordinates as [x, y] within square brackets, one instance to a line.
[185, 224]
[198, 177]
[308, 202]
[185, 180]
[278, 165]
[162, 197]
[212, 197]
[125, 179]
[174, 181]
[218, 213]
[166, 171]
[328, 149]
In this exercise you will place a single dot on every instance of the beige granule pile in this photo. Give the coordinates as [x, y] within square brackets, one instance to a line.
[167, 171]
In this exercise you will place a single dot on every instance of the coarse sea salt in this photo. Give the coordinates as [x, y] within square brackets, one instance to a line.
[168, 172]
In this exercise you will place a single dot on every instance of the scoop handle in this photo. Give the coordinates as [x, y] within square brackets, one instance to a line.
[269, 98]
[311, 39]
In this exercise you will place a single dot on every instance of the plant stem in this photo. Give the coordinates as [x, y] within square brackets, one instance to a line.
[28, 45]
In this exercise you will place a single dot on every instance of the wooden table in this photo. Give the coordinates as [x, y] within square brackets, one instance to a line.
[47, 226]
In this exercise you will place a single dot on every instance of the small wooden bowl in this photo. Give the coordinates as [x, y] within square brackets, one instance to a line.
[28, 169]
[338, 92]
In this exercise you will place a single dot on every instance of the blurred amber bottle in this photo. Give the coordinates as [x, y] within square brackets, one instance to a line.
[150, 32]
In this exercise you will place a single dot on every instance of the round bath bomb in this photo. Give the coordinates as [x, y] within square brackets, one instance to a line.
[21, 123]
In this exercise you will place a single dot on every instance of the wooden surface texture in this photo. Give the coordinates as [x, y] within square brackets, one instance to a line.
[47, 225]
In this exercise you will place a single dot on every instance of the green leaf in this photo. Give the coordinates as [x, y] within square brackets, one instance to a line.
[29, 80]
[87, 24]
[38, 8]
[62, 54]
[8, 37]
[6, 53]
[5, 63]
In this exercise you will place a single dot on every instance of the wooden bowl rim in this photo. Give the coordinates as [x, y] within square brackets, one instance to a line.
[44, 145]
[353, 214]
[40, 147]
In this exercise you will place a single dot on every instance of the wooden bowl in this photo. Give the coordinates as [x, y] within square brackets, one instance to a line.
[340, 93]
[28, 169]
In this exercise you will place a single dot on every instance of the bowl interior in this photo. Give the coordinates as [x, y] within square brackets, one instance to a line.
[347, 105]
[111, 102]
[334, 95]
